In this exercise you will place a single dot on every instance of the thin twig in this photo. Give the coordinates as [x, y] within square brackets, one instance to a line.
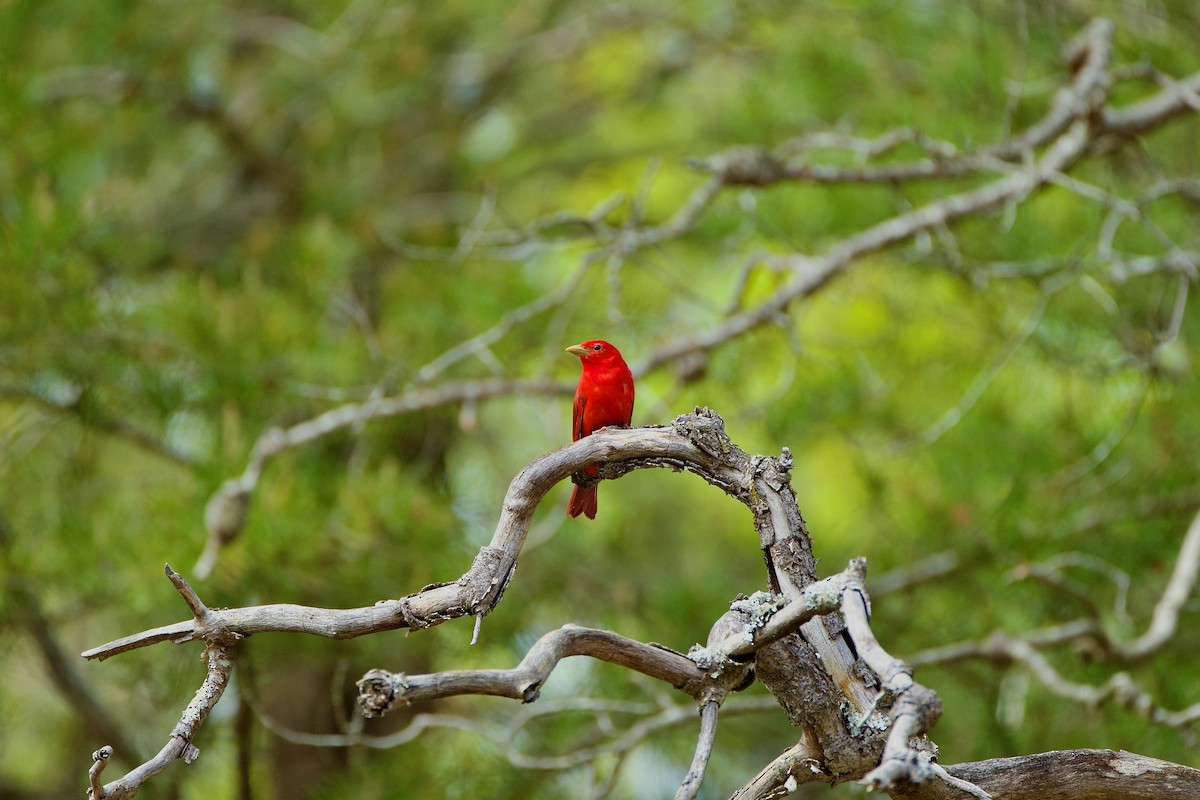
[179, 745]
[704, 744]
[1166, 612]
[199, 611]
[1120, 687]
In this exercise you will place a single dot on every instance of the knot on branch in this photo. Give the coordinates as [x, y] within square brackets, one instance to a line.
[412, 620]
[485, 582]
[378, 691]
[911, 767]
[224, 518]
[190, 752]
[706, 429]
[732, 673]
[225, 512]
[755, 612]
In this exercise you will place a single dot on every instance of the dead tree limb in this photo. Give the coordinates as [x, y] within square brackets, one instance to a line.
[480, 588]
[380, 690]
[179, 744]
[1070, 775]
[860, 713]
[794, 652]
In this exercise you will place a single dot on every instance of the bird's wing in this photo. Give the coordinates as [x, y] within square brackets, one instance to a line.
[577, 431]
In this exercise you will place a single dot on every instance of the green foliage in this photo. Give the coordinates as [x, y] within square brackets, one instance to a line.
[215, 219]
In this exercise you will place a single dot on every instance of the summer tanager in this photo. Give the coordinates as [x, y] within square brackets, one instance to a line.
[603, 397]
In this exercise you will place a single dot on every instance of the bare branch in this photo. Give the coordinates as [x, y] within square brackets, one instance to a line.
[1087, 55]
[1120, 688]
[1179, 589]
[1024, 649]
[1066, 633]
[179, 745]
[1076, 121]
[813, 273]
[914, 711]
[1073, 774]
[380, 691]
[1176, 99]
[821, 597]
[803, 762]
[696, 443]
[704, 744]
[1181, 261]
[199, 611]
[99, 762]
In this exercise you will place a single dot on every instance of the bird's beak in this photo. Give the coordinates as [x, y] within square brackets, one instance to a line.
[577, 350]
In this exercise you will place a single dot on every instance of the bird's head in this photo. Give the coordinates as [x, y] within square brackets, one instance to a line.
[595, 351]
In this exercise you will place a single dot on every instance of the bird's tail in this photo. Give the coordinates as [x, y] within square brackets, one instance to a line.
[583, 501]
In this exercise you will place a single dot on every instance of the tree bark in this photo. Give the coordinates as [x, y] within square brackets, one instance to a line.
[1069, 775]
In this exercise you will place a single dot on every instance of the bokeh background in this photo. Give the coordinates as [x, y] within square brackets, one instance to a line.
[220, 217]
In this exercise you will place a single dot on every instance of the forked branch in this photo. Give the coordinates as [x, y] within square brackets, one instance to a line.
[695, 442]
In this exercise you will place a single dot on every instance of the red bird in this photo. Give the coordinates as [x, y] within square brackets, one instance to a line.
[603, 397]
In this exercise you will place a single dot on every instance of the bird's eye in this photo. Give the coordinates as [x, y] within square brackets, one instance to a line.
[596, 347]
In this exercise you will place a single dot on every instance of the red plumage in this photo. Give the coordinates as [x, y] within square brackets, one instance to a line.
[603, 397]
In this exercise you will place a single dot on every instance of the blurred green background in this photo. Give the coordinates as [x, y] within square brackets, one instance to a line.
[220, 217]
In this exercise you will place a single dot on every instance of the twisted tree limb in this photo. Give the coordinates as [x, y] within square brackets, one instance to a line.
[380, 691]
[480, 588]
[696, 443]
[860, 713]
